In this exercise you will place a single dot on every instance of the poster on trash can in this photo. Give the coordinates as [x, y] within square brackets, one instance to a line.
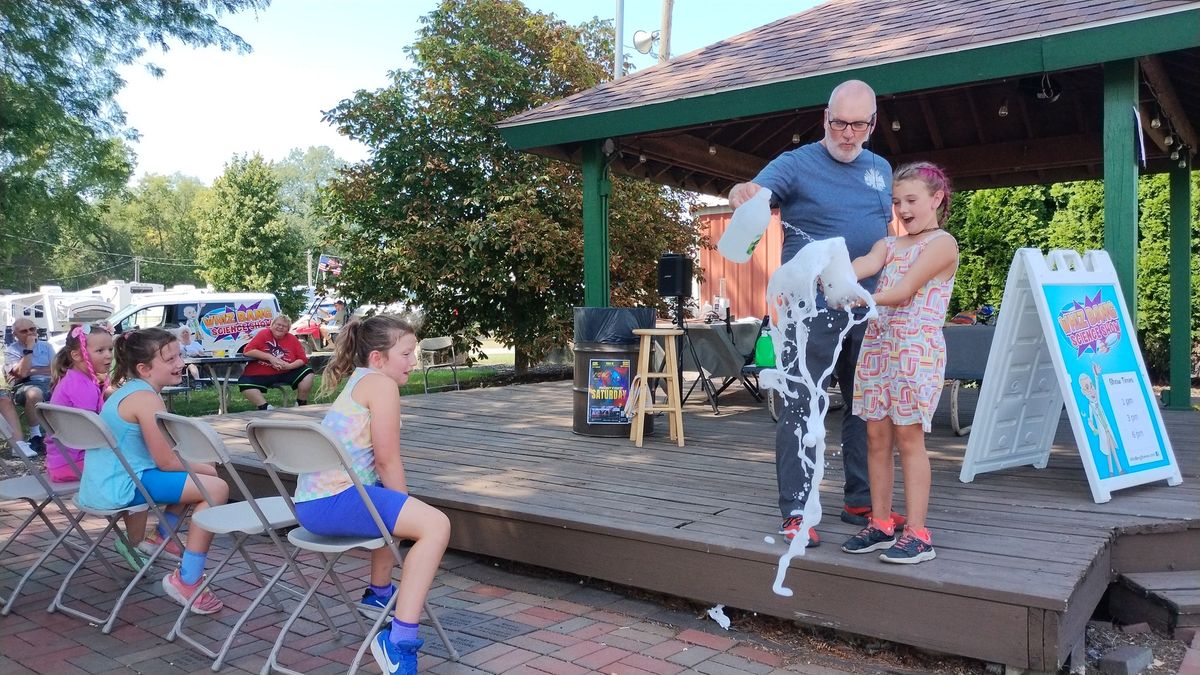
[608, 390]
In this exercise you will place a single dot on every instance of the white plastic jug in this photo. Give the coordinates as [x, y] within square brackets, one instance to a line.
[746, 227]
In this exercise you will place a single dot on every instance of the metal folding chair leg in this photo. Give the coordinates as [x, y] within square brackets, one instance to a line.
[74, 549]
[272, 665]
[106, 622]
[267, 589]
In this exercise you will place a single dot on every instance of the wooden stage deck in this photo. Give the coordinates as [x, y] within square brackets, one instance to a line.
[1024, 555]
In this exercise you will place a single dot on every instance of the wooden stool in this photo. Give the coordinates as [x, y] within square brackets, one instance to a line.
[644, 400]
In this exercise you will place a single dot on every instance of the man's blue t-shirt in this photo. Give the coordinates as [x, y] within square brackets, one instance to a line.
[43, 354]
[825, 198]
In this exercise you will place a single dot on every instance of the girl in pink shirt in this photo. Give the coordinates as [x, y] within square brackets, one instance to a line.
[79, 377]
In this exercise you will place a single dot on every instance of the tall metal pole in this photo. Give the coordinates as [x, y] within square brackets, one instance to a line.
[664, 35]
[618, 43]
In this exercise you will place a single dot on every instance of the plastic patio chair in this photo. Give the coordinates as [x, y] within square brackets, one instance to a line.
[84, 429]
[304, 447]
[435, 348]
[35, 488]
[196, 442]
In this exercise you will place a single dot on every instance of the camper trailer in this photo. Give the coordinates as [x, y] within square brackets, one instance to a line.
[52, 310]
[121, 293]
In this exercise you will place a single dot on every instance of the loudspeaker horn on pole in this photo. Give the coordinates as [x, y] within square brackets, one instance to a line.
[643, 41]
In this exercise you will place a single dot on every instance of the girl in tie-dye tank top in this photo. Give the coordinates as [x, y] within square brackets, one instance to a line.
[900, 369]
[375, 356]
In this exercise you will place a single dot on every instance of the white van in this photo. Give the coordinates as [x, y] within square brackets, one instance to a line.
[222, 322]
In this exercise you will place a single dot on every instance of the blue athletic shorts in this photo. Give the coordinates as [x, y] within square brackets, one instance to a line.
[165, 487]
[345, 515]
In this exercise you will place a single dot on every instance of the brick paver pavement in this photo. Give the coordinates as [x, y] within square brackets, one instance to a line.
[499, 620]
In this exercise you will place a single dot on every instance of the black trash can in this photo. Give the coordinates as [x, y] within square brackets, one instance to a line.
[606, 352]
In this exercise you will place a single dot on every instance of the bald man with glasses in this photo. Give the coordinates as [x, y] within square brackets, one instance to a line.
[27, 364]
[834, 187]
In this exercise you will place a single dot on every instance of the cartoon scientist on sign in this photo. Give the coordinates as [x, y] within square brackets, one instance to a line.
[1098, 422]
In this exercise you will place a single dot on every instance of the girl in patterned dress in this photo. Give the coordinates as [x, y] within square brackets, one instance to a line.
[375, 356]
[900, 369]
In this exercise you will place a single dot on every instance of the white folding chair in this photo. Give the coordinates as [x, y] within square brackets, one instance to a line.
[196, 442]
[305, 447]
[433, 356]
[36, 489]
[84, 429]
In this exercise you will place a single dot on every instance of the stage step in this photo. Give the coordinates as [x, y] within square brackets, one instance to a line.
[1165, 600]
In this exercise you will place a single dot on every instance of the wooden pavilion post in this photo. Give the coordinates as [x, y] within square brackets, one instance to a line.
[1121, 174]
[1179, 396]
[596, 188]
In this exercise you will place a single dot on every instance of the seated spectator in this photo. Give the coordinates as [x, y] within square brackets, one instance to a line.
[27, 364]
[190, 348]
[9, 411]
[332, 323]
[279, 359]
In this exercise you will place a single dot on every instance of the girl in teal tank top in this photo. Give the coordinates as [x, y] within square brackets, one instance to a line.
[377, 355]
[146, 361]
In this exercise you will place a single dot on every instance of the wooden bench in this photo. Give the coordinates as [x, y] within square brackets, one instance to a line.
[967, 349]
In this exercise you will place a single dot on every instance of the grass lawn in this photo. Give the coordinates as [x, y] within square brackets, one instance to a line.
[204, 401]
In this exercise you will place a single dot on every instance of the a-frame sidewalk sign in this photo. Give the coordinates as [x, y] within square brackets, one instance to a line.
[1064, 334]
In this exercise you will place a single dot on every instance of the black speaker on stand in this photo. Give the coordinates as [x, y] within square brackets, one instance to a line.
[675, 281]
[674, 276]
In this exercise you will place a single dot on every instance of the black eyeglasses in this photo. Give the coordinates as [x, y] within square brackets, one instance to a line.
[858, 126]
[26, 330]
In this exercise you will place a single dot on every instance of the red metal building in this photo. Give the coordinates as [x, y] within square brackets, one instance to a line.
[746, 283]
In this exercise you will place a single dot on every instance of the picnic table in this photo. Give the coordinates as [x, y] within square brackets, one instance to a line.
[222, 370]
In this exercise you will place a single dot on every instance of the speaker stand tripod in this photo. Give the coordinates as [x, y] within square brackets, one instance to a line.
[702, 378]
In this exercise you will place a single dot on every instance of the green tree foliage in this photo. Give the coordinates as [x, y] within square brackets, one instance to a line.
[59, 122]
[155, 221]
[33, 221]
[301, 175]
[991, 225]
[1153, 268]
[244, 243]
[446, 215]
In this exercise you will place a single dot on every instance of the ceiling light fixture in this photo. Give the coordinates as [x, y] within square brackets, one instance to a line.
[1003, 111]
[712, 149]
[1174, 154]
[1169, 140]
[1155, 122]
[796, 138]
[895, 125]
[1048, 92]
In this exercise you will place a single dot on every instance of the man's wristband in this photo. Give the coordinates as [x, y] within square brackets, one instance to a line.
[26, 352]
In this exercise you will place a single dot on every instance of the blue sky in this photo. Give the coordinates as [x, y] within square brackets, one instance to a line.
[310, 54]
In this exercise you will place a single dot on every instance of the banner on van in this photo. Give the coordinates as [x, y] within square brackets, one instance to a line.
[219, 325]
